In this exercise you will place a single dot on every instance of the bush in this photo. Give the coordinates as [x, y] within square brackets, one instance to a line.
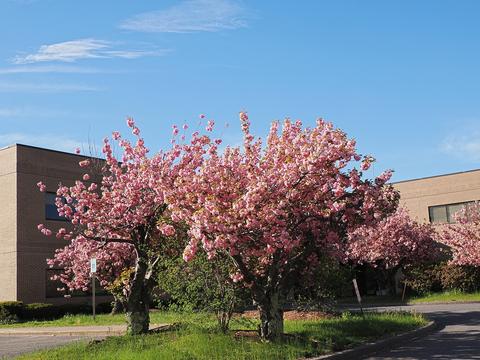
[330, 281]
[201, 285]
[16, 311]
[41, 311]
[74, 309]
[10, 311]
[424, 278]
[460, 278]
[104, 308]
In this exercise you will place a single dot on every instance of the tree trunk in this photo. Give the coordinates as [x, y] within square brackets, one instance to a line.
[138, 302]
[270, 307]
[117, 305]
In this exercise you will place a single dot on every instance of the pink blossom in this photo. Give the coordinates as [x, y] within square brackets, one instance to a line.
[46, 232]
[84, 163]
[167, 230]
[394, 241]
[237, 277]
[210, 125]
[277, 205]
[463, 237]
[77, 150]
[109, 218]
[41, 186]
[366, 163]
[86, 177]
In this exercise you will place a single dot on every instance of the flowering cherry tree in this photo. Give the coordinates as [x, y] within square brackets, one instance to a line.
[123, 219]
[392, 243]
[275, 210]
[112, 260]
[463, 238]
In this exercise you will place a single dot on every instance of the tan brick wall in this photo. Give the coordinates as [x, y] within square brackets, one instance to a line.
[51, 167]
[8, 224]
[418, 195]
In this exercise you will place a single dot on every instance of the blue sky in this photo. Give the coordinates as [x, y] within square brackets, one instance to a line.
[401, 77]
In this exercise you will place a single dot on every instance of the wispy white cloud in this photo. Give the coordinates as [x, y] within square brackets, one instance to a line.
[71, 51]
[65, 69]
[191, 16]
[464, 146]
[50, 141]
[44, 87]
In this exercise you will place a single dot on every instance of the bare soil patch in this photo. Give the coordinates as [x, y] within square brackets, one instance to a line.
[292, 315]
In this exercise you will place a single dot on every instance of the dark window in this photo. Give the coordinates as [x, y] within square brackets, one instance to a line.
[442, 214]
[438, 214]
[51, 212]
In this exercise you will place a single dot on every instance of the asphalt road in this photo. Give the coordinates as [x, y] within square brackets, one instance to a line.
[14, 345]
[458, 337]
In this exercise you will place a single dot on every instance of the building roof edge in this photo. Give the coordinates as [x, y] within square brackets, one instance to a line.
[435, 176]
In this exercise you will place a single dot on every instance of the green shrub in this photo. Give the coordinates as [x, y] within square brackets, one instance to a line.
[104, 308]
[10, 311]
[460, 278]
[330, 281]
[201, 285]
[41, 311]
[424, 278]
[74, 309]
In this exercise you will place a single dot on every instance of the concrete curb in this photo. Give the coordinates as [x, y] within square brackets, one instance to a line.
[366, 306]
[76, 330]
[444, 303]
[369, 349]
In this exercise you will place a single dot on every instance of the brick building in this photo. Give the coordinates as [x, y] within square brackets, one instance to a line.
[25, 275]
[436, 199]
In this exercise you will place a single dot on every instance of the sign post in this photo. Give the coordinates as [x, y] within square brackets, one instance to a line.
[93, 270]
[357, 292]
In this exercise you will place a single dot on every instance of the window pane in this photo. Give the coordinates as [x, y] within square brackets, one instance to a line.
[51, 212]
[438, 214]
[452, 210]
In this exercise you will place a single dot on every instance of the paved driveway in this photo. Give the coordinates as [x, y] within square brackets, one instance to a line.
[18, 340]
[13, 345]
[458, 338]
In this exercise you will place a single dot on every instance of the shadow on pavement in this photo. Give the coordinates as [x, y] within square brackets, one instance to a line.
[458, 338]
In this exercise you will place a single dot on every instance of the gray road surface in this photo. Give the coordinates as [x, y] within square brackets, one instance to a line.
[458, 338]
[13, 345]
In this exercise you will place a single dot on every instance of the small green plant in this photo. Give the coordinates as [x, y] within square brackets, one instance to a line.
[10, 311]
[203, 285]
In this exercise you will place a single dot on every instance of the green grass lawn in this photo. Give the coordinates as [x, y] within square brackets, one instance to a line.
[156, 317]
[197, 338]
[448, 296]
